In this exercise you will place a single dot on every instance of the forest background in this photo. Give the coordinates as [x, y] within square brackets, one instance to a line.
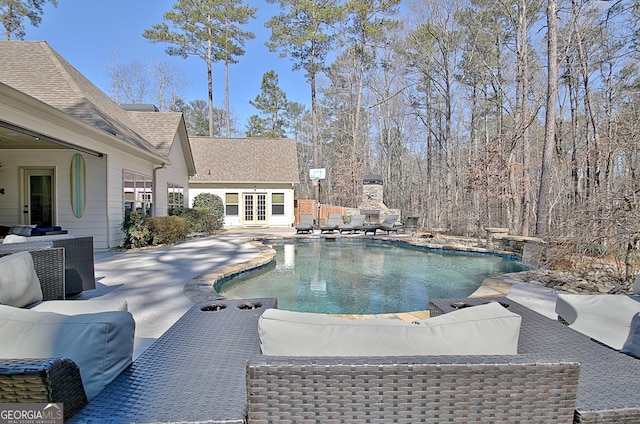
[521, 114]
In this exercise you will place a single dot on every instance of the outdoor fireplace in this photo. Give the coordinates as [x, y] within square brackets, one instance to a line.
[372, 204]
[372, 199]
[372, 216]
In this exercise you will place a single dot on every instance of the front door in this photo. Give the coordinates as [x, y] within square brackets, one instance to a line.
[38, 202]
[255, 209]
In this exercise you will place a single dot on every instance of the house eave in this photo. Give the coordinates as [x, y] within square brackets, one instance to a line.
[20, 108]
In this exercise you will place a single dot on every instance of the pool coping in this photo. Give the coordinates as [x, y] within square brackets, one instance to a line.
[202, 287]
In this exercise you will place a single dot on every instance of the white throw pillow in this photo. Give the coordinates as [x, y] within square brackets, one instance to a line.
[19, 284]
[12, 238]
[487, 329]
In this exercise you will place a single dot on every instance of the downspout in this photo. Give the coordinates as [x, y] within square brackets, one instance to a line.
[155, 189]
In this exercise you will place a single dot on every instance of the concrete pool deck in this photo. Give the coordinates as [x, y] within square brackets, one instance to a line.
[161, 284]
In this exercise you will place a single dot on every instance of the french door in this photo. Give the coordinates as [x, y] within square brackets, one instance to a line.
[38, 201]
[255, 209]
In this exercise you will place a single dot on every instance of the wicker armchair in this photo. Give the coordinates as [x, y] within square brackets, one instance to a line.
[49, 380]
[54, 380]
[49, 264]
[79, 261]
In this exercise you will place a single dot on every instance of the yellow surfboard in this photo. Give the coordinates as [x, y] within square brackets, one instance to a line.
[78, 185]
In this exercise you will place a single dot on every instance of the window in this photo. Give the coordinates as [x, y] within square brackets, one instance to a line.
[277, 204]
[175, 197]
[138, 192]
[231, 204]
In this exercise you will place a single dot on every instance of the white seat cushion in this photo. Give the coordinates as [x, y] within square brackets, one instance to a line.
[19, 284]
[481, 330]
[603, 317]
[77, 307]
[101, 344]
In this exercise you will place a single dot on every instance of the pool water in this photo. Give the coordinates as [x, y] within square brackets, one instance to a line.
[364, 277]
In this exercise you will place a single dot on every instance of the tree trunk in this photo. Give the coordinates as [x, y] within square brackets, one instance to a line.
[542, 220]
[226, 97]
[525, 183]
[210, 85]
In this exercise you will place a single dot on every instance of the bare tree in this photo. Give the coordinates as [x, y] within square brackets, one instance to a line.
[542, 224]
[158, 82]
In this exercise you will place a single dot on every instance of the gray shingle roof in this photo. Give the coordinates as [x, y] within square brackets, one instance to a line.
[245, 160]
[34, 68]
[160, 129]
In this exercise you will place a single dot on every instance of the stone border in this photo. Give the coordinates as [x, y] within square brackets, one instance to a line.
[201, 288]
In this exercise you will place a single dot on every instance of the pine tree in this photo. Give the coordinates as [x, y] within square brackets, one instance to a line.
[13, 13]
[272, 104]
[207, 29]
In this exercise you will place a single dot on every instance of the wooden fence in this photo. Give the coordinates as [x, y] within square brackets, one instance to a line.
[310, 207]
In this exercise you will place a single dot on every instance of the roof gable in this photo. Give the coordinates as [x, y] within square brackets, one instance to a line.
[244, 160]
[34, 68]
[161, 128]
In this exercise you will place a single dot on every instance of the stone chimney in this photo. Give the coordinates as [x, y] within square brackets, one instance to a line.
[372, 205]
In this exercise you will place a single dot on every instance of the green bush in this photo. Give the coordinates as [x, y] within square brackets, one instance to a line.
[210, 212]
[136, 231]
[167, 229]
[190, 215]
[199, 220]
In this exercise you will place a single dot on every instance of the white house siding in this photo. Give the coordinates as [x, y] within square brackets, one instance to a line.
[104, 211]
[235, 221]
[176, 174]
[117, 163]
[92, 221]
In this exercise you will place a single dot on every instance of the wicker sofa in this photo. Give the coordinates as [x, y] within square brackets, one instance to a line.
[435, 389]
[465, 385]
[455, 388]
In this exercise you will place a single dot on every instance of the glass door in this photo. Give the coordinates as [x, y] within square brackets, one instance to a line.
[255, 209]
[38, 206]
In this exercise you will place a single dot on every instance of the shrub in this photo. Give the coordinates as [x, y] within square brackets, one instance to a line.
[210, 212]
[167, 229]
[199, 220]
[191, 216]
[136, 230]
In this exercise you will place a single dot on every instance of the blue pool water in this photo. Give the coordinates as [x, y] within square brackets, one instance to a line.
[364, 277]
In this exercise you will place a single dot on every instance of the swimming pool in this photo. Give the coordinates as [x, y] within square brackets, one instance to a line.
[346, 276]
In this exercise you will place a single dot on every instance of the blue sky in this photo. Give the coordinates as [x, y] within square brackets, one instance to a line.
[88, 33]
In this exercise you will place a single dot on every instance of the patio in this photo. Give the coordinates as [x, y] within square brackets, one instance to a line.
[152, 281]
[160, 284]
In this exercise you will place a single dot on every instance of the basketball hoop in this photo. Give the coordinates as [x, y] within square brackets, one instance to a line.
[315, 182]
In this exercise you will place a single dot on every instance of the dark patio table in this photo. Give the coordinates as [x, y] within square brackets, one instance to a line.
[194, 373]
[609, 386]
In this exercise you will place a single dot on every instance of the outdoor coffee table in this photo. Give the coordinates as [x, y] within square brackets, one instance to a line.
[195, 372]
[609, 383]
